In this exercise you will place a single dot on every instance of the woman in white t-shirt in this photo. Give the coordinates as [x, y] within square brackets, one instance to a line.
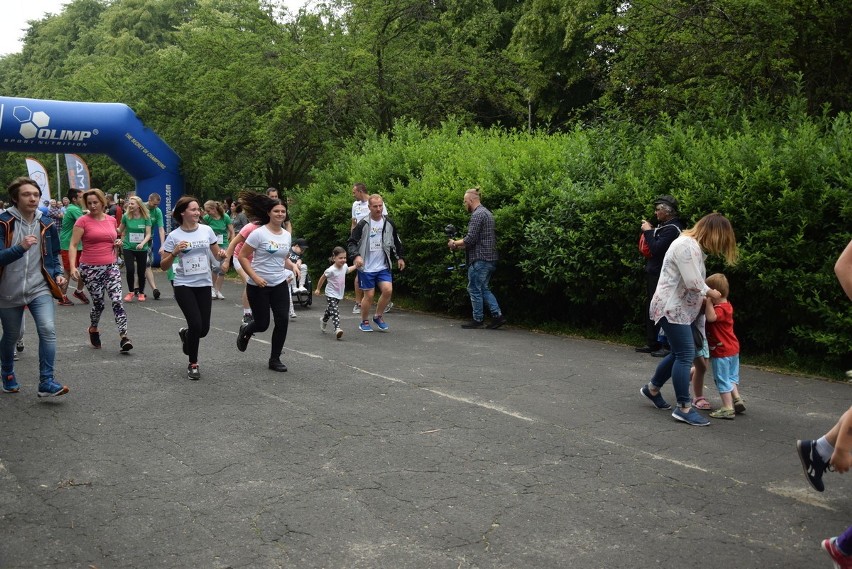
[186, 249]
[264, 258]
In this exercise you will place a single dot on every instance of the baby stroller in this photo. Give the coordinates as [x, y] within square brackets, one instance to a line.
[303, 296]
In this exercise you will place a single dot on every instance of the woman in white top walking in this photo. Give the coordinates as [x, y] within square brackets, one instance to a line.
[264, 258]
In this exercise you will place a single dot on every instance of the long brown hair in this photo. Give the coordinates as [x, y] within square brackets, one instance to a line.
[715, 235]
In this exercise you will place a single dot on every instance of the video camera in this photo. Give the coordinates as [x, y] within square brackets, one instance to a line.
[451, 230]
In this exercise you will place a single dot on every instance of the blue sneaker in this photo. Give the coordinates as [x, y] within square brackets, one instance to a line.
[693, 417]
[49, 388]
[657, 400]
[365, 326]
[10, 384]
[812, 463]
[380, 322]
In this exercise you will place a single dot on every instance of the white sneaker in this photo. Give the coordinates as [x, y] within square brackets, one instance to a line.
[213, 293]
[356, 309]
[323, 324]
[221, 296]
[292, 315]
[338, 332]
[388, 307]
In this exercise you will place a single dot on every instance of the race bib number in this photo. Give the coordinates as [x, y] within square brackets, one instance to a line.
[135, 237]
[195, 264]
[220, 239]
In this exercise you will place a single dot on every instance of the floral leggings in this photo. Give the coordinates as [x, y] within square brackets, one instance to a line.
[332, 311]
[101, 280]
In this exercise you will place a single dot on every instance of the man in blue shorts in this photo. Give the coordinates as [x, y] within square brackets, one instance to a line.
[372, 245]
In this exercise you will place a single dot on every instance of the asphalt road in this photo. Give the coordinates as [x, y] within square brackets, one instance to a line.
[427, 446]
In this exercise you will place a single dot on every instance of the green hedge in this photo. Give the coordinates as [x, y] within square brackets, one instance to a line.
[568, 208]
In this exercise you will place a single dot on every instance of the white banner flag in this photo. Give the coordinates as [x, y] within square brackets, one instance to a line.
[39, 174]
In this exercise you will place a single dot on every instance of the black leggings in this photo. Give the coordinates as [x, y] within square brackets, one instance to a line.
[134, 262]
[196, 304]
[261, 300]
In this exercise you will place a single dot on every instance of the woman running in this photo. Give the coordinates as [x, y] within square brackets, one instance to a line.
[98, 233]
[186, 249]
[264, 257]
[220, 223]
[135, 234]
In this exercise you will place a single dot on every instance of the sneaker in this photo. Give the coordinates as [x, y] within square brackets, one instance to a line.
[812, 463]
[365, 326]
[20, 345]
[323, 324]
[388, 307]
[739, 405]
[182, 334]
[125, 344]
[380, 322]
[156, 294]
[692, 417]
[128, 297]
[50, 388]
[275, 364]
[81, 296]
[473, 324]
[65, 302]
[141, 297]
[293, 315]
[192, 372]
[657, 399]
[219, 295]
[338, 332]
[10, 384]
[213, 294]
[496, 322]
[16, 357]
[356, 309]
[243, 338]
[247, 318]
[661, 353]
[723, 413]
[94, 338]
[841, 561]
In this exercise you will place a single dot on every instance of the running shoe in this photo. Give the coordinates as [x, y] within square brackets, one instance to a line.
[338, 332]
[182, 334]
[388, 307]
[365, 326]
[65, 302]
[141, 297]
[125, 344]
[20, 345]
[128, 297]
[380, 322]
[10, 384]
[156, 294]
[691, 417]
[356, 309]
[49, 388]
[247, 317]
[812, 463]
[213, 294]
[323, 325]
[275, 364]
[219, 295]
[293, 315]
[657, 400]
[841, 560]
[243, 338]
[192, 372]
[81, 296]
[94, 338]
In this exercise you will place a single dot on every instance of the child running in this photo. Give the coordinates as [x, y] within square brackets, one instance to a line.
[334, 289]
[724, 349]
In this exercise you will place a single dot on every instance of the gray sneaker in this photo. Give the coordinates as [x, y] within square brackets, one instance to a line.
[323, 324]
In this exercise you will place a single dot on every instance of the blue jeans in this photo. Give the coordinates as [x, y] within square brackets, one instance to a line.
[42, 310]
[478, 276]
[677, 364]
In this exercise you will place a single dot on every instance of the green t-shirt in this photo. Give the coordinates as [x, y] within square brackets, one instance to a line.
[219, 227]
[134, 232]
[156, 217]
[72, 214]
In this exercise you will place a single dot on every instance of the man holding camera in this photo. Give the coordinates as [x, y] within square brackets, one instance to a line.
[372, 244]
[480, 245]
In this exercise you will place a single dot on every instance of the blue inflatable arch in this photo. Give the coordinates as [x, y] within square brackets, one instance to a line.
[34, 125]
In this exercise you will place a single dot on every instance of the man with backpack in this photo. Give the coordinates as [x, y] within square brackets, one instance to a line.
[657, 240]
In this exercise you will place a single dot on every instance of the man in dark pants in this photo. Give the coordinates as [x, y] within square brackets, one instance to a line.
[659, 239]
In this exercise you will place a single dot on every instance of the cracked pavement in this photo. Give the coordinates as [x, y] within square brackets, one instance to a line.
[425, 447]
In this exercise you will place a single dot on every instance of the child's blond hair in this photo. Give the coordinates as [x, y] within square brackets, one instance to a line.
[719, 282]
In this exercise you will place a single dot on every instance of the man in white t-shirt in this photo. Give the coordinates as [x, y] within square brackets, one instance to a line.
[372, 245]
[360, 210]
